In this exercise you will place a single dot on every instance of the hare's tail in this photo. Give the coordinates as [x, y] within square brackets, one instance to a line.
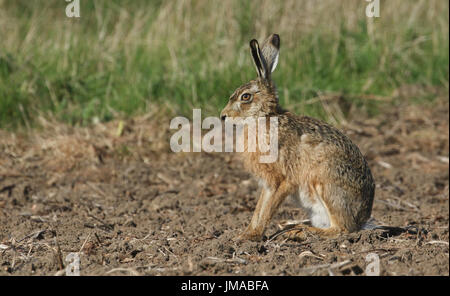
[370, 224]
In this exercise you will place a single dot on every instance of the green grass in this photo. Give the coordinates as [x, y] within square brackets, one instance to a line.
[124, 58]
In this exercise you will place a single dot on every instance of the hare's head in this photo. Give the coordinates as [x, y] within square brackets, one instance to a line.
[259, 97]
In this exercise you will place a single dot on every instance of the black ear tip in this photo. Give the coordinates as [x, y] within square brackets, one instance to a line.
[253, 43]
[276, 40]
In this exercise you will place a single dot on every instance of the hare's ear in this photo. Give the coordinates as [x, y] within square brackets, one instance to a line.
[271, 50]
[258, 59]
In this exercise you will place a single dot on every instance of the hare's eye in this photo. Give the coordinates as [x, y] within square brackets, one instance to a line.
[246, 97]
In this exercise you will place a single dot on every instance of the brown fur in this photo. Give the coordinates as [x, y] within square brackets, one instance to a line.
[314, 158]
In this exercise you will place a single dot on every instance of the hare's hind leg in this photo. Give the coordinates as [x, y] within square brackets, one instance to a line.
[325, 222]
[332, 211]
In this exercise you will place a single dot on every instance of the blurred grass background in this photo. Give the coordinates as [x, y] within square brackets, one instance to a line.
[128, 57]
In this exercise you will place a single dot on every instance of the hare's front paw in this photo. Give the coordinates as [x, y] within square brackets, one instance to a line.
[248, 235]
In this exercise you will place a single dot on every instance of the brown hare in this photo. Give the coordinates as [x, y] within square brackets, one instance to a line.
[317, 165]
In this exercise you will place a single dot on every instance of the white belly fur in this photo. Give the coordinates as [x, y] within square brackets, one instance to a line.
[316, 210]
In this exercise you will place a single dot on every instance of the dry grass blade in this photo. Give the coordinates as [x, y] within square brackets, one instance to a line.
[329, 266]
[4, 247]
[309, 254]
[278, 233]
[291, 223]
[393, 205]
[384, 164]
[130, 271]
[437, 242]
[84, 243]
[232, 260]
[96, 189]
[443, 159]
[412, 206]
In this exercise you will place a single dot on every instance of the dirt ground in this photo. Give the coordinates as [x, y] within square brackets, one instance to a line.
[117, 195]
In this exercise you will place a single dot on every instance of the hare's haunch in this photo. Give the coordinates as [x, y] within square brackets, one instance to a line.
[317, 164]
